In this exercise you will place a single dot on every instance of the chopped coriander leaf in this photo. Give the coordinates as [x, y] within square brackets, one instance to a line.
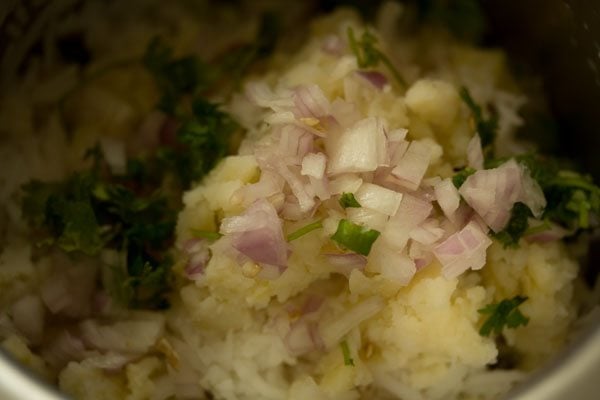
[368, 55]
[304, 230]
[348, 200]
[486, 127]
[355, 237]
[94, 210]
[461, 176]
[348, 360]
[205, 138]
[175, 77]
[571, 197]
[516, 227]
[505, 313]
[209, 235]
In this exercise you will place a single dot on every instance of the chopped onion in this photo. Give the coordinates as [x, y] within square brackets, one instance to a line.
[310, 102]
[294, 143]
[411, 213]
[447, 197]
[114, 154]
[390, 263]
[63, 348]
[375, 78]
[412, 166]
[427, 233]
[303, 337]
[269, 184]
[134, 336]
[344, 264]
[345, 113]
[111, 361]
[493, 192]
[362, 148]
[366, 217]
[260, 94]
[69, 291]
[333, 330]
[463, 250]
[345, 183]
[313, 164]
[378, 198]
[475, 153]
[319, 187]
[333, 45]
[258, 234]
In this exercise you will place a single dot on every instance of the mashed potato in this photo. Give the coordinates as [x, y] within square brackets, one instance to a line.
[239, 329]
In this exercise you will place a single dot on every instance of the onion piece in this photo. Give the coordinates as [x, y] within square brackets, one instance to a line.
[313, 164]
[310, 102]
[412, 166]
[447, 197]
[362, 148]
[375, 78]
[294, 143]
[378, 198]
[367, 217]
[333, 330]
[63, 348]
[261, 95]
[493, 192]
[136, 336]
[258, 234]
[269, 184]
[114, 154]
[69, 291]
[333, 45]
[463, 250]
[390, 263]
[344, 264]
[475, 153]
[303, 337]
[428, 232]
[411, 213]
[345, 183]
[111, 361]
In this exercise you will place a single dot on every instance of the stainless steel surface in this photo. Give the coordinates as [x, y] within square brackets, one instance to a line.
[16, 383]
[561, 39]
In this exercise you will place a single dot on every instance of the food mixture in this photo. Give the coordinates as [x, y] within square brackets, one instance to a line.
[353, 219]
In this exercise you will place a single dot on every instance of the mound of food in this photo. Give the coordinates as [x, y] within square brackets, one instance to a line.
[379, 234]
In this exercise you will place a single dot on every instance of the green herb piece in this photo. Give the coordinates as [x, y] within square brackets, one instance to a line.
[304, 230]
[505, 313]
[355, 237]
[348, 360]
[461, 176]
[348, 200]
[572, 198]
[65, 211]
[93, 210]
[205, 139]
[368, 55]
[517, 226]
[486, 127]
[208, 235]
[175, 76]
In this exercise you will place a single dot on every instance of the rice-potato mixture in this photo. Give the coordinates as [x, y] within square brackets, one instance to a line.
[259, 314]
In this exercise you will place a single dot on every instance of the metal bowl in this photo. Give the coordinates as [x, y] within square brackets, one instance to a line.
[559, 40]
